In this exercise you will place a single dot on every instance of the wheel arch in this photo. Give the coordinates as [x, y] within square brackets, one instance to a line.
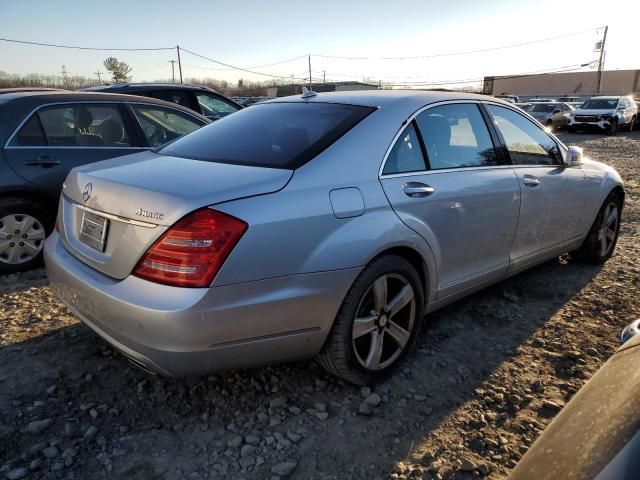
[418, 262]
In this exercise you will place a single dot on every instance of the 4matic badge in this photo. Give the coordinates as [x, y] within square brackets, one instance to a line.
[148, 214]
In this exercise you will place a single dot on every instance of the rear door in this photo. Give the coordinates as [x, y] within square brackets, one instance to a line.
[446, 181]
[553, 195]
[59, 137]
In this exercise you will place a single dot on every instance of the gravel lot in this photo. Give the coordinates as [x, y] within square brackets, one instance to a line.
[489, 374]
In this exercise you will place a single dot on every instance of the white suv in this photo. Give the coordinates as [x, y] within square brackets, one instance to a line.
[604, 113]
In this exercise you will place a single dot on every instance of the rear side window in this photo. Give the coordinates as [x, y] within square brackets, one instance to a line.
[214, 107]
[526, 142]
[161, 125]
[406, 155]
[275, 135]
[456, 136]
[31, 134]
[173, 96]
[79, 125]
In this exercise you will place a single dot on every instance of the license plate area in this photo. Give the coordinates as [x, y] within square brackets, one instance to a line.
[93, 230]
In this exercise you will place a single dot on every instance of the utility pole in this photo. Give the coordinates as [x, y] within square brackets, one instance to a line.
[310, 84]
[64, 75]
[98, 73]
[173, 71]
[601, 61]
[324, 76]
[179, 62]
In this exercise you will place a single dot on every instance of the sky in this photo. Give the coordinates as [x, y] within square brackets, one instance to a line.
[252, 33]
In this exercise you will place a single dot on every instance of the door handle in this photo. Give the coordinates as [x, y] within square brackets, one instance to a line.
[43, 161]
[530, 181]
[417, 189]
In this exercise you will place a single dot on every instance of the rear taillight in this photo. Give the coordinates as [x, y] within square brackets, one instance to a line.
[191, 252]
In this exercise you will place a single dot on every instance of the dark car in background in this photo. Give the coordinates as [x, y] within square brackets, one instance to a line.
[198, 98]
[44, 134]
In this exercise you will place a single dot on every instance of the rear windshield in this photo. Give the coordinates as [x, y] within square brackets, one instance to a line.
[275, 135]
[600, 104]
[542, 108]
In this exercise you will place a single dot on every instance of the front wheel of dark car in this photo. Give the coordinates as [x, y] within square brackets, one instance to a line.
[377, 324]
[613, 127]
[24, 226]
[601, 240]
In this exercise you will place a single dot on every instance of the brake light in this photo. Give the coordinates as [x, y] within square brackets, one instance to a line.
[191, 252]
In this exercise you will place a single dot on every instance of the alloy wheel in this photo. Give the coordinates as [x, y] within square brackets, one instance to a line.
[384, 321]
[21, 238]
[608, 229]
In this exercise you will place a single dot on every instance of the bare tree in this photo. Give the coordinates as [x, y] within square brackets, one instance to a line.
[119, 70]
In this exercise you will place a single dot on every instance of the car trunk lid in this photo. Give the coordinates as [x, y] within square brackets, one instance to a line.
[113, 211]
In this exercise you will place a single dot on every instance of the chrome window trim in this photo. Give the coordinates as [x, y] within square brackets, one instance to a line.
[406, 124]
[74, 102]
[111, 216]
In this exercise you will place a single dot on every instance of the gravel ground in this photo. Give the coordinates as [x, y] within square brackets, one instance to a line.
[489, 374]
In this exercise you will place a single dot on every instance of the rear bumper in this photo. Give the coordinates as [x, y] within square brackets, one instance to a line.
[187, 331]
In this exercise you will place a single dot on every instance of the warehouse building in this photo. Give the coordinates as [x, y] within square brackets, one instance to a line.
[582, 84]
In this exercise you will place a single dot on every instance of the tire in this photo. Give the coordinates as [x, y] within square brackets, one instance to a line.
[571, 129]
[613, 127]
[602, 238]
[24, 225]
[351, 354]
[632, 124]
[549, 125]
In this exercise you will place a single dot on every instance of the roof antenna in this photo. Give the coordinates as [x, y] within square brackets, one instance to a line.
[306, 93]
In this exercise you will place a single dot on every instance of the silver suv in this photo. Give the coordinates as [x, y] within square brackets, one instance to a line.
[605, 114]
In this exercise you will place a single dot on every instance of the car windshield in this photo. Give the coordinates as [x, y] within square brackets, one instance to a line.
[600, 104]
[542, 108]
[274, 135]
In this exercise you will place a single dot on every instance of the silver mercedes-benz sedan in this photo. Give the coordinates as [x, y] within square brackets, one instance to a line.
[321, 225]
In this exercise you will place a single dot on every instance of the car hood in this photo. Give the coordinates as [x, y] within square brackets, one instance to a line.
[592, 111]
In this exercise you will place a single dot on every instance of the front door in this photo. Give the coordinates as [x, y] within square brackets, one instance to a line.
[59, 137]
[553, 195]
[444, 180]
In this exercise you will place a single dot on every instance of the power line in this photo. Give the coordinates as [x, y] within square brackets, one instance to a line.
[76, 47]
[234, 67]
[254, 67]
[463, 52]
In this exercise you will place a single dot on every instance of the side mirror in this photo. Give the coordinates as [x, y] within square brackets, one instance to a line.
[573, 157]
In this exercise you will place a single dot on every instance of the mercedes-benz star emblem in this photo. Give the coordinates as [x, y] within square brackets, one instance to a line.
[86, 193]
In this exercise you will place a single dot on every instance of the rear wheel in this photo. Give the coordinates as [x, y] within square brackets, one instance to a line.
[601, 241]
[24, 226]
[377, 323]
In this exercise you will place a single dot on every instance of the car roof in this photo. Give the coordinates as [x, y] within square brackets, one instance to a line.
[16, 106]
[607, 97]
[147, 86]
[383, 98]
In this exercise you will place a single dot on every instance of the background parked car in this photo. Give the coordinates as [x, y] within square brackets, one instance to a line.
[554, 115]
[509, 98]
[541, 99]
[596, 436]
[43, 135]
[198, 98]
[569, 99]
[604, 113]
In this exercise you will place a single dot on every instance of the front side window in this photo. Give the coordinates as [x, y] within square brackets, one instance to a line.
[274, 135]
[161, 125]
[406, 154]
[526, 142]
[456, 136]
[214, 107]
[76, 125]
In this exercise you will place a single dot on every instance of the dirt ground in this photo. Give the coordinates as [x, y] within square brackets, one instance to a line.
[489, 374]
